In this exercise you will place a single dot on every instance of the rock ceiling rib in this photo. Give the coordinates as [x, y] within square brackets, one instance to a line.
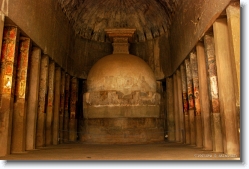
[89, 18]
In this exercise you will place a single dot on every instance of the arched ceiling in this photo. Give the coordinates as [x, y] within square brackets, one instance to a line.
[89, 18]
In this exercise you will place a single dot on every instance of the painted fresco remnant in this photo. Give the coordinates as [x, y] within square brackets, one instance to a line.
[8, 53]
[212, 72]
[184, 89]
[189, 85]
[194, 71]
[22, 67]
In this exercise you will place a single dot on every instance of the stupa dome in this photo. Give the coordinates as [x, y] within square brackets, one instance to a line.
[121, 72]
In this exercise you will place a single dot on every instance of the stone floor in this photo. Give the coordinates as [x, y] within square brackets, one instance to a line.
[83, 151]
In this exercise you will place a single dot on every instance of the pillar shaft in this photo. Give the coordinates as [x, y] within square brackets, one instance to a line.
[66, 112]
[7, 86]
[194, 71]
[170, 109]
[57, 85]
[176, 109]
[180, 106]
[214, 94]
[226, 87]
[32, 97]
[73, 110]
[233, 20]
[204, 97]
[62, 105]
[50, 104]
[1, 28]
[190, 102]
[185, 104]
[41, 112]
[18, 140]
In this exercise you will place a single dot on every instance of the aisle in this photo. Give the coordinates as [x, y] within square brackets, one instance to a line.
[82, 151]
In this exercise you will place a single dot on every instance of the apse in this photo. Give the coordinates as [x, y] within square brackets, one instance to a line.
[121, 104]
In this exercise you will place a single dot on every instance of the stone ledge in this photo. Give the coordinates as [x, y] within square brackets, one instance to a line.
[121, 111]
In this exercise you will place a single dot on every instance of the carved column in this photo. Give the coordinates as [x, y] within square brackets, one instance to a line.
[62, 105]
[18, 140]
[233, 21]
[170, 109]
[50, 105]
[226, 88]
[32, 101]
[176, 109]
[41, 112]
[56, 105]
[7, 86]
[2, 17]
[180, 106]
[185, 103]
[73, 110]
[214, 94]
[204, 97]
[191, 106]
[194, 71]
[66, 112]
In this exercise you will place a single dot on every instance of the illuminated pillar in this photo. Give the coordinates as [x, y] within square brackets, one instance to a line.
[50, 104]
[18, 140]
[176, 109]
[7, 86]
[226, 87]
[185, 103]
[204, 97]
[32, 101]
[56, 105]
[180, 106]
[198, 125]
[170, 109]
[233, 21]
[214, 94]
[41, 112]
[191, 104]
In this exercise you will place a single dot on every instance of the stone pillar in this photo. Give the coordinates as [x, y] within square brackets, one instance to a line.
[176, 109]
[191, 106]
[56, 105]
[50, 104]
[214, 94]
[18, 140]
[41, 112]
[161, 118]
[226, 88]
[233, 21]
[185, 103]
[66, 112]
[180, 106]
[204, 97]
[73, 110]
[170, 109]
[32, 101]
[7, 86]
[62, 105]
[198, 125]
[1, 28]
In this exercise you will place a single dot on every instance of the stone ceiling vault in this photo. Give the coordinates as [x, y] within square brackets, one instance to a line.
[150, 18]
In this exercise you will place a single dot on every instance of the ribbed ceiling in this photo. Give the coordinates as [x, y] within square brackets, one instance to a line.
[89, 18]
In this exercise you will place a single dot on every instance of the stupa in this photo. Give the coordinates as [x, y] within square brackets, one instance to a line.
[121, 104]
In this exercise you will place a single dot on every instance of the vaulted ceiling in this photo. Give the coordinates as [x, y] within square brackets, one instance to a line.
[89, 18]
